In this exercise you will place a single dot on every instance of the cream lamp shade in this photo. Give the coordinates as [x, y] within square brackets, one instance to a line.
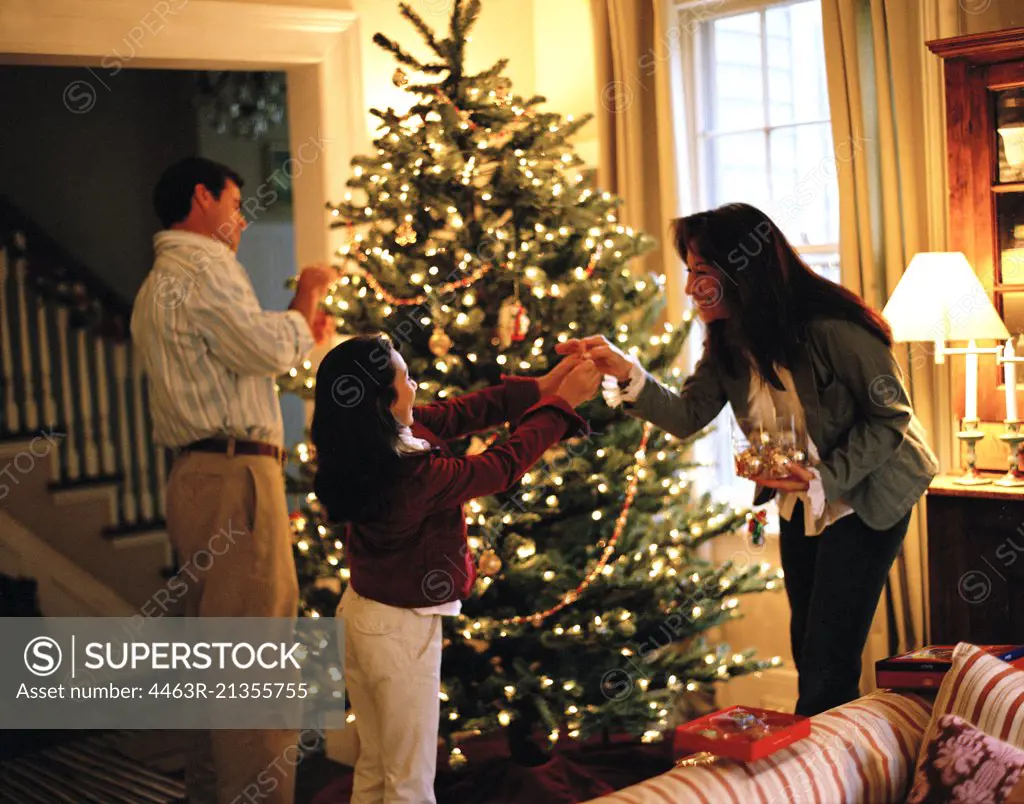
[939, 298]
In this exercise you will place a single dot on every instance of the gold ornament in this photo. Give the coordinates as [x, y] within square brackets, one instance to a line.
[506, 216]
[400, 79]
[749, 463]
[489, 563]
[476, 446]
[405, 234]
[554, 454]
[456, 761]
[778, 464]
[771, 454]
[440, 344]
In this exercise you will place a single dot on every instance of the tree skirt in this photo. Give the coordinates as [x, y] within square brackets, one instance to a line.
[574, 774]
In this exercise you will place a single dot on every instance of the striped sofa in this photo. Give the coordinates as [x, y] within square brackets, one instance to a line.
[863, 751]
[870, 750]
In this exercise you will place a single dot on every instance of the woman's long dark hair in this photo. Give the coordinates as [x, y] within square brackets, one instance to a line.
[354, 432]
[770, 292]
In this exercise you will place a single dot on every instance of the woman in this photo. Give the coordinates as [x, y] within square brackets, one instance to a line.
[781, 340]
[383, 466]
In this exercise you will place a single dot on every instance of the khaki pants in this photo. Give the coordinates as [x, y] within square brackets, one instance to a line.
[393, 679]
[228, 520]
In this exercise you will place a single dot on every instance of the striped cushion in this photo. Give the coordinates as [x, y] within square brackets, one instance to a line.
[984, 691]
[861, 751]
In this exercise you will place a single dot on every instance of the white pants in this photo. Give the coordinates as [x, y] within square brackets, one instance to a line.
[393, 679]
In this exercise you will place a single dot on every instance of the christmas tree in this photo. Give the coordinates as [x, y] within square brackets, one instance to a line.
[476, 238]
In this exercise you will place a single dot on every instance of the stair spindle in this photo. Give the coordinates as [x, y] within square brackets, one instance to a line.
[46, 381]
[129, 507]
[71, 458]
[11, 421]
[30, 409]
[145, 494]
[85, 379]
[103, 405]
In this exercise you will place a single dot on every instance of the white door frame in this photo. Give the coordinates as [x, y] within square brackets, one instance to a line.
[317, 47]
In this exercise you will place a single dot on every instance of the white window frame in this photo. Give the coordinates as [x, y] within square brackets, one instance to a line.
[691, 107]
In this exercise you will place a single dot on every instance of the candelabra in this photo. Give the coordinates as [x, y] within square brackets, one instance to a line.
[971, 435]
[1012, 437]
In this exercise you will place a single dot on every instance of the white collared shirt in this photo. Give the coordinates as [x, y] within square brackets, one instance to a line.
[210, 351]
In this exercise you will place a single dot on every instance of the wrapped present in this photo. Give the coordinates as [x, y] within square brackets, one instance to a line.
[924, 668]
[741, 732]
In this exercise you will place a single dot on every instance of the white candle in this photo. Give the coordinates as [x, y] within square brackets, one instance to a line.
[971, 386]
[1010, 378]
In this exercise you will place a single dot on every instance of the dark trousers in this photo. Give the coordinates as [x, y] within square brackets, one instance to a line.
[833, 582]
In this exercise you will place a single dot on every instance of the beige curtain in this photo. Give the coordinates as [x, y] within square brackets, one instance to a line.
[635, 125]
[887, 123]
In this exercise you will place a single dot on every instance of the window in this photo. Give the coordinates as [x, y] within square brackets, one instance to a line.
[753, 102]
[761, 129]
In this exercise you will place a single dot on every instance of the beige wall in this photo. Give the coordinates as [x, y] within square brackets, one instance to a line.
[87, 179]
[549, 47]
[978, 16]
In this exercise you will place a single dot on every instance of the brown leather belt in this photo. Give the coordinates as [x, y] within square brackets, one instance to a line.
[234, 446]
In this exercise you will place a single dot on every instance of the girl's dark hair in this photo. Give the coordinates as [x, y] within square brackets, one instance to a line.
[172, 195]
[353, 431]
[770, 292]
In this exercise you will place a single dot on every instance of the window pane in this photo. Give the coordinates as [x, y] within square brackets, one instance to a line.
[739, 169]
[827, 265]
[736, 96]
[797, 89]
[805, 193]
[1013, 312]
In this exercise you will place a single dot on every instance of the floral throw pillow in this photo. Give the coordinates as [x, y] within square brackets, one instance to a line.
[966, 766]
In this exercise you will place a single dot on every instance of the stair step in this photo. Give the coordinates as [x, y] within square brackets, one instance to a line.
[91, 771]
[8, 436]
[149, 532]
[13, 444]
[94, 482]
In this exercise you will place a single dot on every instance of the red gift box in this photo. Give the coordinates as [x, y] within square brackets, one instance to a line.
[924, 668]
[741, 732]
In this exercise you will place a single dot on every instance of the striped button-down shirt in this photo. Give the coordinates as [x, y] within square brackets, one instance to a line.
[210, 352]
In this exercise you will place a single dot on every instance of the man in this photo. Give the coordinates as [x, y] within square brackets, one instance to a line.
[211, 355]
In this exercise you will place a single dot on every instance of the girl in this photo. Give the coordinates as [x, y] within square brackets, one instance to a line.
[384, 467]
[782, 340]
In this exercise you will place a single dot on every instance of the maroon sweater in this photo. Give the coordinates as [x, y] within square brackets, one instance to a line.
[418, 555]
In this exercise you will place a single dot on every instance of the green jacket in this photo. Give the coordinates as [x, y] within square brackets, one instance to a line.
[873, 452]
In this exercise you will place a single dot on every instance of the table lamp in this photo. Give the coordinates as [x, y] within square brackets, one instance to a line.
[939, 298]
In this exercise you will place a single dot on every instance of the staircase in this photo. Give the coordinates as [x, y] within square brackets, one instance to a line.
[122, 767]
[78, 468]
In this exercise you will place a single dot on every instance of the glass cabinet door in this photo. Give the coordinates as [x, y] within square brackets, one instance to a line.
[1008, 282]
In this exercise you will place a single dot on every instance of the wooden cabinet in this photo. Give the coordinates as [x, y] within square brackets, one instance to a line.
[976, 533]
[975, 563]
[984, 77]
